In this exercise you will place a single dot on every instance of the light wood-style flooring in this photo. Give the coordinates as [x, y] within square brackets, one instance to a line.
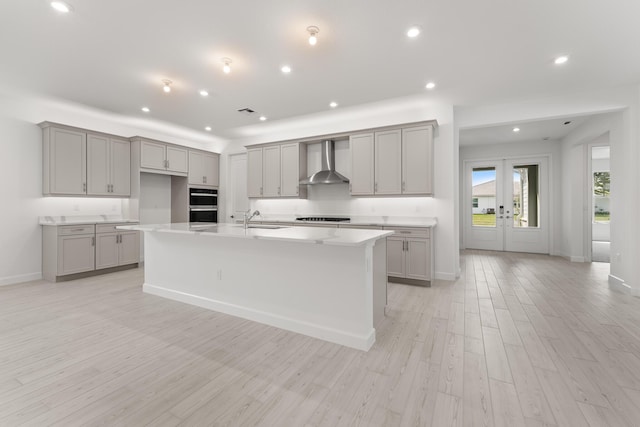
[518, 340]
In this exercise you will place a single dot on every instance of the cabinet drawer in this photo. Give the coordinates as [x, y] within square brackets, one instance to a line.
[76, 229]
[410, 232]
[109, 228]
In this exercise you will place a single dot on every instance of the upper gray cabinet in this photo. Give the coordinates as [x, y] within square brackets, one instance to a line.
[392, 162]
[275, 170]
[160, 157]
[204, 168]
[77, 162]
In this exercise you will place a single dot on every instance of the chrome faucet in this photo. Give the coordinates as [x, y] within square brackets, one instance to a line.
[248, 218]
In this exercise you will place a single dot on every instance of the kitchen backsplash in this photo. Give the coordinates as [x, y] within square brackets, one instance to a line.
[336, 200]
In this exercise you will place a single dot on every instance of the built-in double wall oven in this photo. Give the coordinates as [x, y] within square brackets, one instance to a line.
[203, 205]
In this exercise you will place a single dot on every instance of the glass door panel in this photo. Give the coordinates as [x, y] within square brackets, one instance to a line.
[483, 197]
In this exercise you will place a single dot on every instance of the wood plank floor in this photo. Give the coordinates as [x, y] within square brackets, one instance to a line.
[518, 340]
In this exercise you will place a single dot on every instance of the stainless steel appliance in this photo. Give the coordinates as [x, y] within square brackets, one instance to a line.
[203, 205]
[328, 174]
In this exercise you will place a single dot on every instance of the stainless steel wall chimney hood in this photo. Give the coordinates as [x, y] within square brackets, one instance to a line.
[328, 174]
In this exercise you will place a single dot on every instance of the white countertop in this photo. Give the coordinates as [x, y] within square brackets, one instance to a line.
[84, 219]
[381, 221]
[317, 235]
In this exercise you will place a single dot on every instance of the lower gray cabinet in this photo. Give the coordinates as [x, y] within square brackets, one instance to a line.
[409, 254]
[74, 249]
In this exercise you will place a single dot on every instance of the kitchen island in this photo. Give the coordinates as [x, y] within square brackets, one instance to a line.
[326, 283]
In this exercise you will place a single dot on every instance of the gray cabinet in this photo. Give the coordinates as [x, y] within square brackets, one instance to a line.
[159, 157]
[64, 161]
[114, 247]
[204, 169]
[362, 152]
[275, 170]
[68, 250]
[388, 162]
[108, 166]
[409, 254]
[417, 160]
[77, 162]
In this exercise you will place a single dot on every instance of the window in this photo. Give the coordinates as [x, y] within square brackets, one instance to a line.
[475, 202]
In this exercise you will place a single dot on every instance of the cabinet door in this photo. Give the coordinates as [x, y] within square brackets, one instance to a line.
[388, 162]
[177, 159]
[106, 250]
[417, 160]
[152, 155]
[98, 165]
[76, 254]
[67, 162]
[120, 167]
[417, 259]
[254, 172]
[362, 160]
[129, 248]
[290, 162]
[271, 171]
[196, 173]
[395, 256]
[211, 169]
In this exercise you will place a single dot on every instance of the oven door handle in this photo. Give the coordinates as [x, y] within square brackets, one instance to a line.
[203, 209]
[203, 195]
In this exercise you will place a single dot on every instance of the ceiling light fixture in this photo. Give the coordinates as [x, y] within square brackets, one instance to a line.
[313, 31]
[561, 60]
[430, 85]
[204, 93]
[263, 118]
[167, 85]
[61, 6]
[333, 104]
[227, 65]
[145, 109]
[516, 130]
[413, 32]
[208, 128]
[286, 69]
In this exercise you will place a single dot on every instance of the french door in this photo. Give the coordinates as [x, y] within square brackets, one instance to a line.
[506, 205]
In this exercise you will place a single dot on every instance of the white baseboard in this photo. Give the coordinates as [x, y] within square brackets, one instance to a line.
[446, 276]
[617, 284]
[359, 342]
[20, 278]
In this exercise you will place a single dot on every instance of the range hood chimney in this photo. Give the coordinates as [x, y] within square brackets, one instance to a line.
[328, 174]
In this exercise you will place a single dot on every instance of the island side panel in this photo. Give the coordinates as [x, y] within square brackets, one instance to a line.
[379, 281]
[324, 291]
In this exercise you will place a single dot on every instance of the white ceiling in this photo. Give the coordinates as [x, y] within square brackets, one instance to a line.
[552, 129]
[113, 54]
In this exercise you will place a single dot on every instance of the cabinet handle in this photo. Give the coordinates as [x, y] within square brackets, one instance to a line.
[402, 185]
[375, 187]
[167, 164]
[297, 189]
[204, 179]
[278, 191]
[350, 188]
[93, 241]
[261, 191]
[84, 187]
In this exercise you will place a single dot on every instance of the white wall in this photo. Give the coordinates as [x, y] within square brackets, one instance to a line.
[550, 148]
[21, 174]
[336, 200]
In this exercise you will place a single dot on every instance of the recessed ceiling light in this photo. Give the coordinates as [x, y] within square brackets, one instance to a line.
[286, 69]
[145, 109]
[263, 118]
[413, 32]
[516, 130]
[227, 65]
[333, 104]
[208, 128]
[167, 85]
[204, 93]
[430, 85]
[561, 60]
[313, 34]
[61, 6]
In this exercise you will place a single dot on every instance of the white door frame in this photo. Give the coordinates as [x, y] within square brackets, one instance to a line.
[466, 210]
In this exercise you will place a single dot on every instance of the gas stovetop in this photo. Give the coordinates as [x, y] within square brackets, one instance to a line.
[324, 219]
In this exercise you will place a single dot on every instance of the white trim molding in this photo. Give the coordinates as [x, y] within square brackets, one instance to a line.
[20, 278]
[617, 284]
